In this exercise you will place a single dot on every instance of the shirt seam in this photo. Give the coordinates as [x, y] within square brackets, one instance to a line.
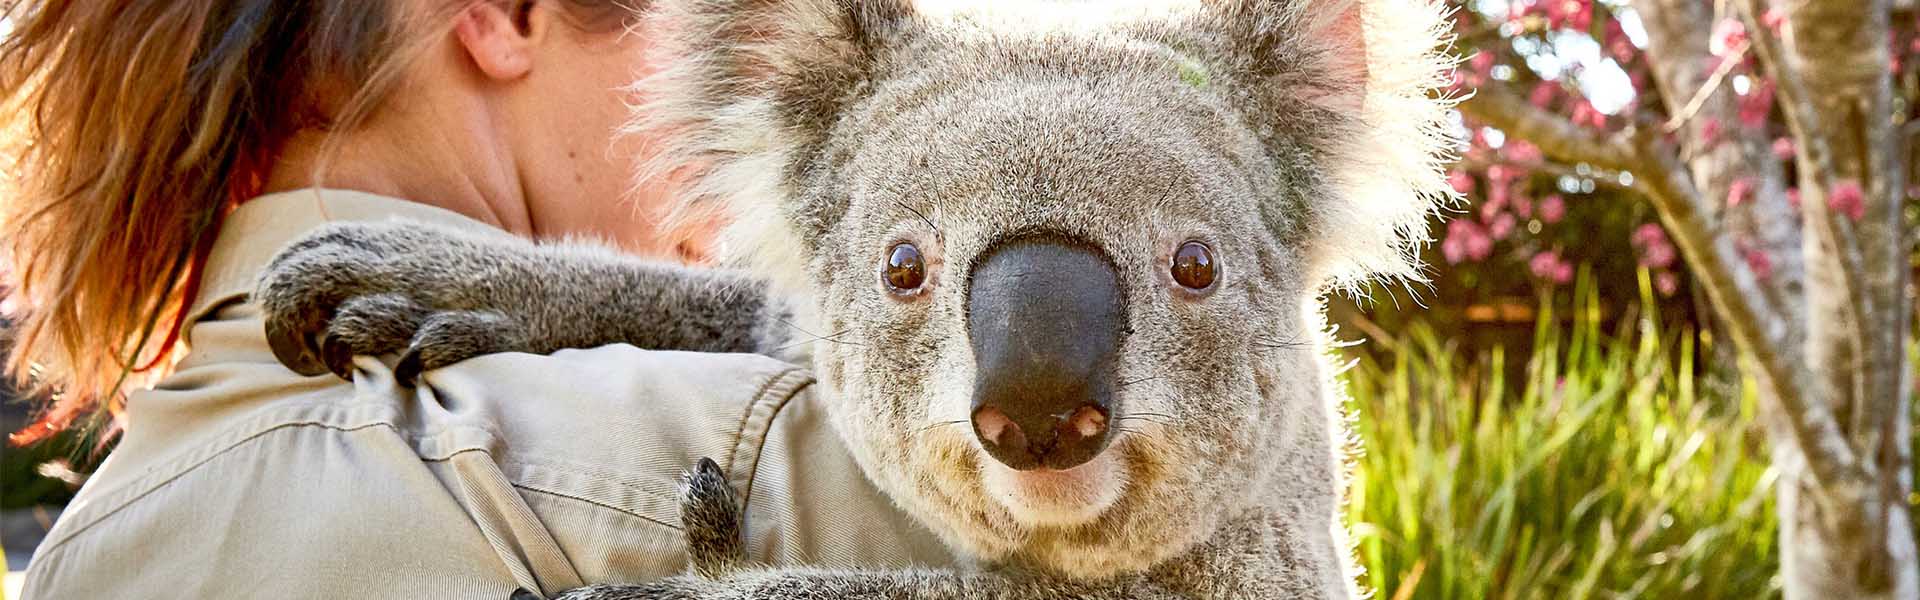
[559, 494]
[792, 381]
[115, 509]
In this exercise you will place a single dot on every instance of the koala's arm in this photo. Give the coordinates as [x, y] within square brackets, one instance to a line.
[439, 295]
[821, 584]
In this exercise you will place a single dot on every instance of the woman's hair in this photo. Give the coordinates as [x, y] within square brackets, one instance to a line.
[128, 129]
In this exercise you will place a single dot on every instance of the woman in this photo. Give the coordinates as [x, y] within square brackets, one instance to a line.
[162, 150]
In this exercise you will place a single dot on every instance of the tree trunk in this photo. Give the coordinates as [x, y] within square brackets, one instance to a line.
[1823, 557]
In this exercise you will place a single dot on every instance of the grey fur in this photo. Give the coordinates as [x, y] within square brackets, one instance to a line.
[1298, 144]
[439, 295]
[711, 515]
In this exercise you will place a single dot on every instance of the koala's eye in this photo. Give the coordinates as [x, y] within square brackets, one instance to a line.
[1194, 267]
[905, 271]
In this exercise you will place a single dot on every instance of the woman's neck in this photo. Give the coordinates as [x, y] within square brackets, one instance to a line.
[448, 165]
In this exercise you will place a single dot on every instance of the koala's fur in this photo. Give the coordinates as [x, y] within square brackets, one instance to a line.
[1301, 139]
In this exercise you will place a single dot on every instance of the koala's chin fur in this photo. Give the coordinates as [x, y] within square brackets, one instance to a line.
[1301, 139]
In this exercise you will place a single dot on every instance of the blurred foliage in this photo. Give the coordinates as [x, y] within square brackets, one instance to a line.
[1609, 468]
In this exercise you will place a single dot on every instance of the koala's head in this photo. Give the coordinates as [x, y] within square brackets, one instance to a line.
[1067, 258]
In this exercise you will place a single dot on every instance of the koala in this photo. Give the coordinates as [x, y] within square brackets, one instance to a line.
[1059, 269]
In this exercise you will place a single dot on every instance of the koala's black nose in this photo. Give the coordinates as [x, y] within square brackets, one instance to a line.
[1045, 317]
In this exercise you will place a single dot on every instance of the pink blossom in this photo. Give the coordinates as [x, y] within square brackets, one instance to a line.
[1728, 36]
[1549, 266]
[1569, 14]
[1648, 233]
[1622, 51]
[1524, 8]
[1552, 209]
[1493, 205]
[1585, 114]
[1655, 251]
[1499, 175]
[1543, 93]
[1659, 255]
[1756, 105]
[1465, 241]
[1461, 181]
[1739, 191]
[1523, 206]
[1783, 148]
[1709, 132]
[1521, 151]
[1793, 197]
[1481, 62]
[1618, 45]
[1502, 226]
[1761, 264]
[1666, 282]
[1772, 18]
[1454, 249]
[1847, 199]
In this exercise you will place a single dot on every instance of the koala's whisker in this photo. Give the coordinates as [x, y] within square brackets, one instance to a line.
[937, 426]
[1280, 343]
[1122, 432]
[1150, 418]
[916, 212]
[1140, 380]
[832, 337]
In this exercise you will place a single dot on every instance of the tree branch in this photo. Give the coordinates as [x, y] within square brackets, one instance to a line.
[1494, 105]
[1729, 284]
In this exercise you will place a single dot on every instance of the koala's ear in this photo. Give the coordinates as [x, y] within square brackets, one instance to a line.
[805, 58]
[746, 94]
[1363, 80]
[1299, 50]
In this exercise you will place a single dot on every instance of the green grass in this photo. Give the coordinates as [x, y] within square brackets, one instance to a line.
[1605, 471]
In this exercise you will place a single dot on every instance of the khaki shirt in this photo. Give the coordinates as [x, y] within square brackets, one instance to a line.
[237, 478]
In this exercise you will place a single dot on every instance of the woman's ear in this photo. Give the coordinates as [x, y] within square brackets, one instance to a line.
[500, 38]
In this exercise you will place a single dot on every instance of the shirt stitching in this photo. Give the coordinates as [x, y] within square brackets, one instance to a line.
[195, 465]
[766, 394]
[604, 505]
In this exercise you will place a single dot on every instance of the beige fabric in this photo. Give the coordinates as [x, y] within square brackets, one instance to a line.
[239, 479]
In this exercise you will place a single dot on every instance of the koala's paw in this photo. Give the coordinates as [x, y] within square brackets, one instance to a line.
[711, 517]
[354, 289]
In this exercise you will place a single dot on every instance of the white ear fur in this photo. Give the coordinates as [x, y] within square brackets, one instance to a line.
[745, 84]
[1390, 175]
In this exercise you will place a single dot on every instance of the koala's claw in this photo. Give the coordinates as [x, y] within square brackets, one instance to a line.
[359, 289]
[449, 337]
[369, 325]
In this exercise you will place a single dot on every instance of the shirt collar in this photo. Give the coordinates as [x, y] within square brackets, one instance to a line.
[259, 228]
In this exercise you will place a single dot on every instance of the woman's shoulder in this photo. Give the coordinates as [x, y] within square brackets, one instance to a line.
[565, 466]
